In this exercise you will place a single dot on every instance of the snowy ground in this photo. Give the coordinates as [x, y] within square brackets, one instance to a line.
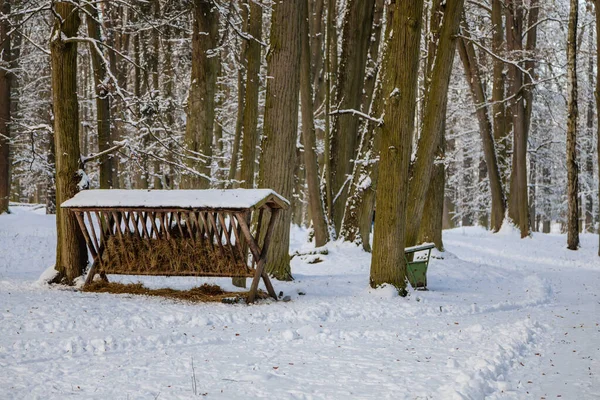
[505, 318]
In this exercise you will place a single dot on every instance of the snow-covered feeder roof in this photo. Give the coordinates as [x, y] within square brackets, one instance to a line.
[209, 199]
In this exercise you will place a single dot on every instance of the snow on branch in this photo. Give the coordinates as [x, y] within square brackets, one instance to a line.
[357, 113]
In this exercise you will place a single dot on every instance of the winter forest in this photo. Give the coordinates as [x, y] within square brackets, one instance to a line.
[385, 124]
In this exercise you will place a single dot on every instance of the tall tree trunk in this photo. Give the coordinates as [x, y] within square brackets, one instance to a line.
[241, 86]
[401, 63]
[358, 217]
[373, 63]
[315, 201]
[597, 6]
[468, 56]
[102, 96]
[589, 123]
[5, 107]
[201, 100]
[281, 124]
[71, 252]
[433, 117]
[351, 74]
[572, 114]
[518, 205]
[250, 121]
[498, 107]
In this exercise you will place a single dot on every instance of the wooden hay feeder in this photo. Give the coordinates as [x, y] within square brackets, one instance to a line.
[179, 232]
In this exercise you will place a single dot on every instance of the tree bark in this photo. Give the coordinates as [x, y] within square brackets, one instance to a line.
[589, 162]
[102, 96]
[468, 56]
[518, 204]
[597, 93]
[498, 106]
[71, 252]
[401, 63]
[350, 82]
[250, 121]
[433, 117]
[572, 114]
[281, 124]
[5, 108]
[241, 86]
[201, 100]
[315, 201]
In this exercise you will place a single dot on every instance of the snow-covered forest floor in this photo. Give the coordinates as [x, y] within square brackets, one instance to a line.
[504, 318]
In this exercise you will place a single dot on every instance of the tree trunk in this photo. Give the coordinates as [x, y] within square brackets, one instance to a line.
[597, 6]
[433, 117]
[201, 100]
[281, 124]
[572, 114]
[315, 201]
[351, 75]
[471, 67]
[102, 96]
[518, 205]
[71, 252]
[5, 108]
[250, 122]
[498, 106]
[241, 86]
[589, 162]
[401, 63]
[373, 63]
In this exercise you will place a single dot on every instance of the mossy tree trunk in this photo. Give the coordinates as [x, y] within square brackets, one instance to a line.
[71, 252]
[401, 66]
[201, 99]
[572, 114]
[281, 124]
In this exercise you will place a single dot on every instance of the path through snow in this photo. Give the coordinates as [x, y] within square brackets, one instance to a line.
[505, 319]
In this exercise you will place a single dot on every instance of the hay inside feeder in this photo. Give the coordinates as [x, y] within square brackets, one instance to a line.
[132, 255]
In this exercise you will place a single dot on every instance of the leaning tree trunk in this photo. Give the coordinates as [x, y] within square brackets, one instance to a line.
[5, 79]
[572, 114]
[351, 75]
[433, 117]
[311, 167]
[468, 56]
[102, 98]
[71, 252]
[281, 124]
[201, 100]
[401, 64]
